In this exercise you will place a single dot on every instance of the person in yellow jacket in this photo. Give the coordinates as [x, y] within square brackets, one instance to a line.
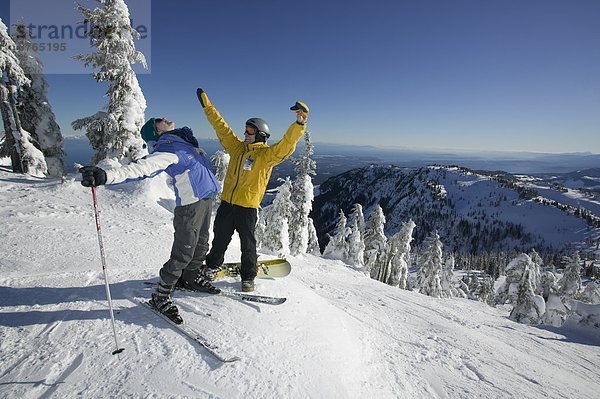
[250, 165]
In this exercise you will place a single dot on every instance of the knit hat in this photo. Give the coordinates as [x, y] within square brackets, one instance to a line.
[149, 131]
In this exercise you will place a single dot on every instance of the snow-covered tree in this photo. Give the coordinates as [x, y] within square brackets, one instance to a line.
[473, 284]
[17, 144]
[549, 284]
[591, 294]
[34, 108]
[114, 133]
[529, 307]
[302, 198]
[313, 240]
[430, 267]
[276, 216]
[337, 247]
[463, 289]
[375, 242]
[570, 283]
[260, 228]
[514, 276]
[221, 161]
[557, 310]
[355, 241]
[305, 164]
[447, 278]
[398, 252]
[536, 271]
[356, 245]
[583, 315]
[357, 214]
[485, 291]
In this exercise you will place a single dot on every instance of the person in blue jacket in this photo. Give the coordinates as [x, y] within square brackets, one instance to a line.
[176, 152]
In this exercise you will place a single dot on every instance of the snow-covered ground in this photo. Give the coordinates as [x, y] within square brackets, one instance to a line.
[339, 335]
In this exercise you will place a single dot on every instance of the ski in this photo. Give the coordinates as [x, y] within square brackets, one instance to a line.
[192, 334]
[269, 300]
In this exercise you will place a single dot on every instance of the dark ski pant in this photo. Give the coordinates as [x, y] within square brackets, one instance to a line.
[232, 218]
[192, 226]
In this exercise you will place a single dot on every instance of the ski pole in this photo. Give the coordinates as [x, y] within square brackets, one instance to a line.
[110, 307]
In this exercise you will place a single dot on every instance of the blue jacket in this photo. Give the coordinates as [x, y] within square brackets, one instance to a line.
[176, 153]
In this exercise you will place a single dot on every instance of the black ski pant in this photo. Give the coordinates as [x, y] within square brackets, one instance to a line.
[232, 218]
[190, 244]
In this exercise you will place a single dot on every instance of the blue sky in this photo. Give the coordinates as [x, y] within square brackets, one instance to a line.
[494, 75]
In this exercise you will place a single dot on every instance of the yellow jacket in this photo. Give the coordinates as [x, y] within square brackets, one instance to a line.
[250, 165]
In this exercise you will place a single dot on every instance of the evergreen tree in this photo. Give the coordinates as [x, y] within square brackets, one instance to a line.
[591, 294]
[463, 289]
[302, 198]
[430, 267]
[356, 245]
[529, 307]
[549, 284]
[313, 240]
[447, 277]
[485, 291]
[357, 214]
[399, 255]
[260, 229]
[276, 216]
[473, 284]
[536, 271]
[34, 108]
[221, 161]
[514, 275]
[557, 310]
[570, 283]
[337, 247]
[114, 133]
[375, 242]
[17, 144]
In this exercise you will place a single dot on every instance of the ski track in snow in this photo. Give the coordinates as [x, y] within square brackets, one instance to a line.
[339, 335]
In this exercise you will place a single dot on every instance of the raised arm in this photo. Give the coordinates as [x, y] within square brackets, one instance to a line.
[226, 136]
[287, 145]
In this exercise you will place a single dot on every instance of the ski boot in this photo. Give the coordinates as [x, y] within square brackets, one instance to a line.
[162, 302]
[196, 280]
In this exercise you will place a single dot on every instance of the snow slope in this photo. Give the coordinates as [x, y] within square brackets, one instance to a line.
[339, 335]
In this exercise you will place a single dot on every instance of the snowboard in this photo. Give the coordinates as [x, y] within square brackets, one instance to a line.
[273, 268]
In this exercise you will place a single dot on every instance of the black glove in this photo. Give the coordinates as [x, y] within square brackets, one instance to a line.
[92, 176]
[204, 101]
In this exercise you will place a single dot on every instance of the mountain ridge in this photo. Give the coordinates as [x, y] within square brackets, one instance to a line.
[473, 211]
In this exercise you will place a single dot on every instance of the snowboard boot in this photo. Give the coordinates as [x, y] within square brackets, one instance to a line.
[247, 285]
[162, 302]
[195, 280]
